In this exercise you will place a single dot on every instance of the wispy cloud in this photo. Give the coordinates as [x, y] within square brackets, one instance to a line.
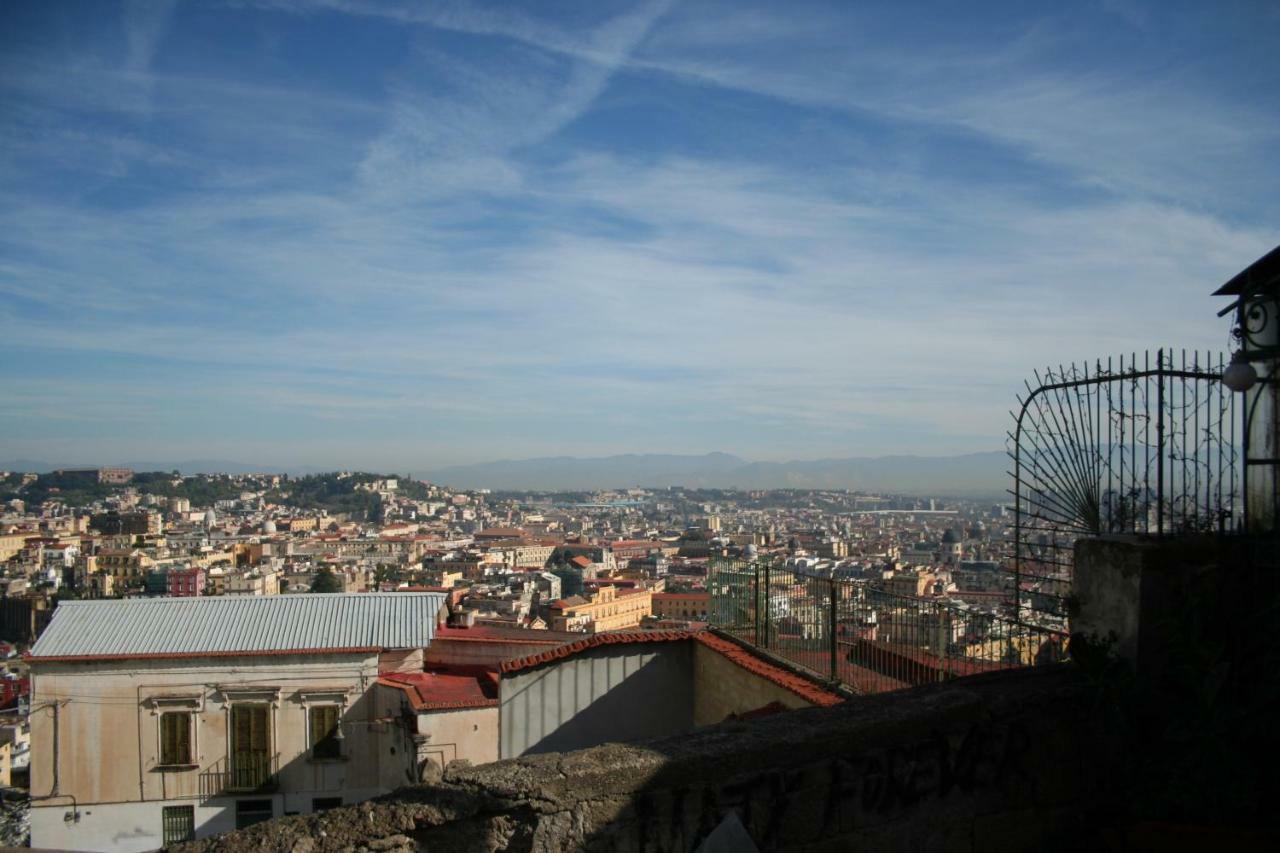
[145, 22]
[645, 227]
[458, 141]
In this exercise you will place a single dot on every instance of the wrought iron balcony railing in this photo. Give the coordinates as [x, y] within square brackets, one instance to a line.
[241, 773]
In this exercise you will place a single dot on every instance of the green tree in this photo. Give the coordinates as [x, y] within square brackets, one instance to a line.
[325, 581]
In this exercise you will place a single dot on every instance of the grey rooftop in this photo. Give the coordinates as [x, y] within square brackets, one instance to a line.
[227, 625]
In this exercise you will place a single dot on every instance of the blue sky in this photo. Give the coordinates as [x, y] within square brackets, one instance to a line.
[358, 233]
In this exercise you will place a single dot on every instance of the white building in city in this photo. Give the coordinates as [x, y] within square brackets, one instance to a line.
[159, 720]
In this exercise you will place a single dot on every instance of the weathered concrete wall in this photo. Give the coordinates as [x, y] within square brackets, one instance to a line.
[1155, 594]
[1195, 620]
[445, 735]
[610, 693]
[722, 688]
[1012, 761]
[470, 734]
[1107, 587]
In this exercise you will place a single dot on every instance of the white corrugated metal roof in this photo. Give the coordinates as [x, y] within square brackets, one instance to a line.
[240, 623]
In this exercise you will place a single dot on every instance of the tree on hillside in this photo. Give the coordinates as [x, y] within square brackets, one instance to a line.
[325, 581]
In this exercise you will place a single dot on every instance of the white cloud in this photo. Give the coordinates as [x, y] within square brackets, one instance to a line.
[407, 270]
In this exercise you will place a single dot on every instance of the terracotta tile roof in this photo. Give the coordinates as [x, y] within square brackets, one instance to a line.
[491, 634]
[802, 687]
[581, 562]
[591, 642]
[799, 685]
[446, 689]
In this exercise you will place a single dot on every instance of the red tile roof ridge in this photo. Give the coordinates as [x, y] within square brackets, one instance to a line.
[482, 634]
[437, 691]
[590, 642]
[799, 685]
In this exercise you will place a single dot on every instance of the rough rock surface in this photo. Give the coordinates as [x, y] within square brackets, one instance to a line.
[1007, 761]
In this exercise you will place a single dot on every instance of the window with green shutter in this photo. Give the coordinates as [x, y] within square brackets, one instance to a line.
[325, 740]
[175, 738]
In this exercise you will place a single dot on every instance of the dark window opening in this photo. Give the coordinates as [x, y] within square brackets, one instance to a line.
[325, 741]
[249, 812]
[323, 804]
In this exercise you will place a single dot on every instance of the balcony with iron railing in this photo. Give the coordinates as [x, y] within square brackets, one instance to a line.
[241, 773]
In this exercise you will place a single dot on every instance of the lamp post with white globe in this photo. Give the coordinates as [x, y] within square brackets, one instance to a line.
[1254, 371]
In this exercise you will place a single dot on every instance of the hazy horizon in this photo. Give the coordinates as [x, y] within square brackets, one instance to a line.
[266, 466]
[406, 235]
[971, 474]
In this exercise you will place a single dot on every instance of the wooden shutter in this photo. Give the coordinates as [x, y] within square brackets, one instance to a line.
[175, 737]
[324, 730]
[249, 729]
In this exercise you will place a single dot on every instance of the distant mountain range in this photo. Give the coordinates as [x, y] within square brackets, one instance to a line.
[970, 474]
[189, 466]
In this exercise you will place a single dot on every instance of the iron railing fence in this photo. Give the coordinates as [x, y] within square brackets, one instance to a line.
[865, 635]
[241, 772]
[1144, 444]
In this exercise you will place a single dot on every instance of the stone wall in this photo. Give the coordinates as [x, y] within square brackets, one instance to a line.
[723, 688]
[1010, 761]
[1180, 634]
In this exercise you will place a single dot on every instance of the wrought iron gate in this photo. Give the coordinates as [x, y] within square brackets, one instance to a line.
[1136, 444]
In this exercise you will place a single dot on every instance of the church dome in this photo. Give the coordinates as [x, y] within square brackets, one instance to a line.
[951, 537]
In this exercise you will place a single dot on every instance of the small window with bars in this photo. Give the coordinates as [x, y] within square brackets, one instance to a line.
[326, 738]
[179, 824]
[175, 738]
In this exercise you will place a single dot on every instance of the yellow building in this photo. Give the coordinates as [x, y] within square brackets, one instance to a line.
[124, 562]
[608, 609]
[12, 543]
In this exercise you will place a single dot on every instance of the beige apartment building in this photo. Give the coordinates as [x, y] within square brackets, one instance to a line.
[12, 543]
[251, 583]
[682, 605]
[159, 720]
[607, 609]
[299, 524]
[522, 554]
[909, 583]
[123, 563]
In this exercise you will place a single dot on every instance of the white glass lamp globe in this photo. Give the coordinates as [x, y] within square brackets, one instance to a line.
[1239, 375]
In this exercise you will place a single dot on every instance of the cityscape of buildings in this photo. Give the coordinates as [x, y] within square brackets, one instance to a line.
[176, 586]
[664, 349]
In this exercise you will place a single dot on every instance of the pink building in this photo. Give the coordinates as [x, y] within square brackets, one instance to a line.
[186, 582]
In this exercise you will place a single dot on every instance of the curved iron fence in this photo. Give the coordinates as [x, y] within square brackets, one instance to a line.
[864, 636]
[1138, 444]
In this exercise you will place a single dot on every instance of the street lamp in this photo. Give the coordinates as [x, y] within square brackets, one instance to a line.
[1256, 306]
[1239, 375]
